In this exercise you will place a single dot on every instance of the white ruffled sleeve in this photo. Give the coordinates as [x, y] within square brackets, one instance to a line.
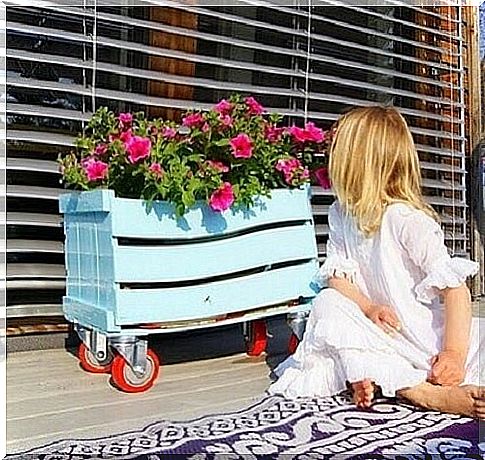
[424, 242]
[337, 264]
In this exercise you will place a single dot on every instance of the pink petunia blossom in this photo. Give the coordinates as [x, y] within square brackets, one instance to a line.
[205, 127]
[314, 134]
[156, 169]
[288, 167]
[100, 149]
[126, 136]
[95, 169]
[222, 198]
[308, 134]
[193, 120]
[218, 166]
[223, 107]
[273, 134]
[226, 120]
[242, 146]
[323, 178]
[125, 119]
[298, 134]
[255, 108]
[168, 132]
[138, 148]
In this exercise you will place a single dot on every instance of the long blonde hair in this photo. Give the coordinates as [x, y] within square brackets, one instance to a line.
[373, 162]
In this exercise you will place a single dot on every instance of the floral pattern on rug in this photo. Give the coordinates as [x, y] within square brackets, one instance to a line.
[303, 429]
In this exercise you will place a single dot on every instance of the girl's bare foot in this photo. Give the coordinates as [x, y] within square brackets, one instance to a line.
[363, 393]
[467, 400]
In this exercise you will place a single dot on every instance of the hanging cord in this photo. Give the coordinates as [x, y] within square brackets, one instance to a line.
[85, 33]
[452, 115]
[308, 56]
[94, 38]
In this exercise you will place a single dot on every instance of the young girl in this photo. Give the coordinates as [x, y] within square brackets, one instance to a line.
[381, 323]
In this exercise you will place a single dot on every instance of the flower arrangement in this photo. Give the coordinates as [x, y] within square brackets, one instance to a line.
[226, 156]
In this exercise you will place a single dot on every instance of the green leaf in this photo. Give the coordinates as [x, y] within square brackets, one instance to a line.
[188, 199]
[222, 142]
[179, 209]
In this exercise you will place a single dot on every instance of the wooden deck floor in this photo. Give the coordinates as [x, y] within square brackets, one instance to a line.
[49, 397]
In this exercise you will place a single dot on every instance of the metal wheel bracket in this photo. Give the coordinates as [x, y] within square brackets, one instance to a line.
[248, 330]
[246, 327]
[96, 342]
[297, 322]
[134, 351]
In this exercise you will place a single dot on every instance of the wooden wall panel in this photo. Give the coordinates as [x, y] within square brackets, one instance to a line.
[167, 40]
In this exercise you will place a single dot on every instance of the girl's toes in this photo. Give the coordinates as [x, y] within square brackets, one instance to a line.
[358, 393]
[477, 393]
[367, 401]
[479, 408]
[479, 413]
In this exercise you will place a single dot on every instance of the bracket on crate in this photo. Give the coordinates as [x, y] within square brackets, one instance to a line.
[134, 350]
[96, 342]
[297, 323]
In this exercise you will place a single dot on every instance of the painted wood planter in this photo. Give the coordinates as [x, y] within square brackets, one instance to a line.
[132, 266]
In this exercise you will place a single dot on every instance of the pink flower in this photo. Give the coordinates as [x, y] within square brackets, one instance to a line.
[288, 166]
[323, 179]
[273, 134]
[314, 134]
[126, 136]
[125, 118]
[218, 166]
[193, 120]
[255, 108]
[223, 107]
[222, 198]
[205, 127]
[100, 149]
[156, 169]
[310, 134]
[226, 120]
[169, 133]
[95, 170]
[298, 134]
[242, 146]
[138, 148]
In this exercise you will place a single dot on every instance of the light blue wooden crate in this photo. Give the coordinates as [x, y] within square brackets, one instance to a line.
[130, 263]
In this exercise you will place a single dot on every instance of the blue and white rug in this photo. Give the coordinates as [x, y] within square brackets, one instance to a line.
[276, 428]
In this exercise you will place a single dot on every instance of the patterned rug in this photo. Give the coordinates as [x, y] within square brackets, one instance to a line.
[303, 429]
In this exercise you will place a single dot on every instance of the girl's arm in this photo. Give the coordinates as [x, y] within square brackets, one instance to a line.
[352, 292]
[382, 315]
[449, 365]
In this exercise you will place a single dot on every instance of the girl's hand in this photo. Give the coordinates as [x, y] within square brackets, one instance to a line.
[447, 369]
[384, 317]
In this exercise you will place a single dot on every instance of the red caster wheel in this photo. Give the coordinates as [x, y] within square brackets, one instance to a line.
[293, 344]
[90, 363]
[258, 338]
[126, 380]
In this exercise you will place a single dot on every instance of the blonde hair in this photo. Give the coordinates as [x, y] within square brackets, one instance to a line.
[373, 162]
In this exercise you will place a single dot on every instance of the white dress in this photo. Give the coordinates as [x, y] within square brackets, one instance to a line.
[403, 265]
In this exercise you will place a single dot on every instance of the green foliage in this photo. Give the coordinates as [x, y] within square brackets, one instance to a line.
[195, 161]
